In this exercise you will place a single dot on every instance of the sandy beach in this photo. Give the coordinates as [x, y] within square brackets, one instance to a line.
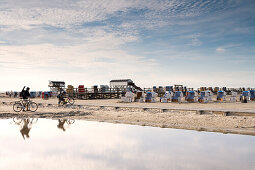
[226, 117]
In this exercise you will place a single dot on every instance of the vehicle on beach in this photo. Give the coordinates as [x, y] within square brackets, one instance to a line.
[25, 105]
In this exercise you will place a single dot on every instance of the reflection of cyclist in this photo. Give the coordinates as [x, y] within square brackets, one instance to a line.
[61, 124]
[25, 129]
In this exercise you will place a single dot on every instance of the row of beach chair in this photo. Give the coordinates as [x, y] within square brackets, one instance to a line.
[191, 96]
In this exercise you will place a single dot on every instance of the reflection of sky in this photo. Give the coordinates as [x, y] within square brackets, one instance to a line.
[93, 145]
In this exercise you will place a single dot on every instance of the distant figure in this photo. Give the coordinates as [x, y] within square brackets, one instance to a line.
[61, 97]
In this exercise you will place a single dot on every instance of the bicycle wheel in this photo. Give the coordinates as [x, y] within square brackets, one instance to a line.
[17, 120]
[17, 107]
[32, 106]
[70, 121]
[70, 100]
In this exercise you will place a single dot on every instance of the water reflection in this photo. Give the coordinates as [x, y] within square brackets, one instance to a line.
[64, 123]
[117, 146]
[25, 125]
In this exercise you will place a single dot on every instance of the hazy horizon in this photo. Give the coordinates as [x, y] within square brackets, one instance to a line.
[153, 42]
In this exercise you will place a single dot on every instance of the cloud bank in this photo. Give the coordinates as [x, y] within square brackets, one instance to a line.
[153, 42]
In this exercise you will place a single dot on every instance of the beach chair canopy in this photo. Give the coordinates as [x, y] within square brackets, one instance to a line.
[252, 93]
[148, 95]
[129, 94]
[190, 94]
[154, 94]
[220, 94]
[209, 92]
[203, 94]
[167, 94]
[177, 94]
[234, 94]
[246, 93]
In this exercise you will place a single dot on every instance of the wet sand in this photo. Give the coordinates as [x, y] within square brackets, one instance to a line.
[238, 118]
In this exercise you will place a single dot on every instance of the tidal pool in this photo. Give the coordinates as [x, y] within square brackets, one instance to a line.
[68, 144]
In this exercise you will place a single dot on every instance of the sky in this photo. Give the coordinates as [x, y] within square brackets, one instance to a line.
[153, 42]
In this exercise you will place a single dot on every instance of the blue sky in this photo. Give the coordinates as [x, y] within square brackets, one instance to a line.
[163, 42]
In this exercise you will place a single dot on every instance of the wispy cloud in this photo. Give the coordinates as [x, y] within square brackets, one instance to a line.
[122, 38]
[220, 49]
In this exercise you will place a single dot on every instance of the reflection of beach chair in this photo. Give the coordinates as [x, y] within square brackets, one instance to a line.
[233, 96]
[245, 97]
[177, 97]
[128, 97]
[252, 95]
[191, 96]
[221, 95]
[167, 97]
[205, 96]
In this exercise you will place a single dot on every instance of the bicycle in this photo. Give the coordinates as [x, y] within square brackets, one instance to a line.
[67, 100]
[23, 105]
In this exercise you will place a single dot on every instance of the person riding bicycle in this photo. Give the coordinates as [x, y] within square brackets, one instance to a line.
[25, 94]
[61, 97]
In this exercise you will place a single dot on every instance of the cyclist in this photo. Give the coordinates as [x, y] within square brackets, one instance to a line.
[61, 97]
[25, 94]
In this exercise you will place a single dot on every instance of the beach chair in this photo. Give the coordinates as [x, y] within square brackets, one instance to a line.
[139, 97]
[252, 95]
[177, 97]
[154, 96]
[129, 96]
[167, 97]
[221, 95]
[204, 97]
[191, 96]
[233, 96]
[245, 97]
[210, 94]
[148, 97]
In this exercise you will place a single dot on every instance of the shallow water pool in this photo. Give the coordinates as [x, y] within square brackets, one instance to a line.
[77, 144]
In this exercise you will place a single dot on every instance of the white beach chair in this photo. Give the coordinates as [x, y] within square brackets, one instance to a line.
[167, 97]
[209, 95]
[233, 96]
[129, 97]
[154, 96]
